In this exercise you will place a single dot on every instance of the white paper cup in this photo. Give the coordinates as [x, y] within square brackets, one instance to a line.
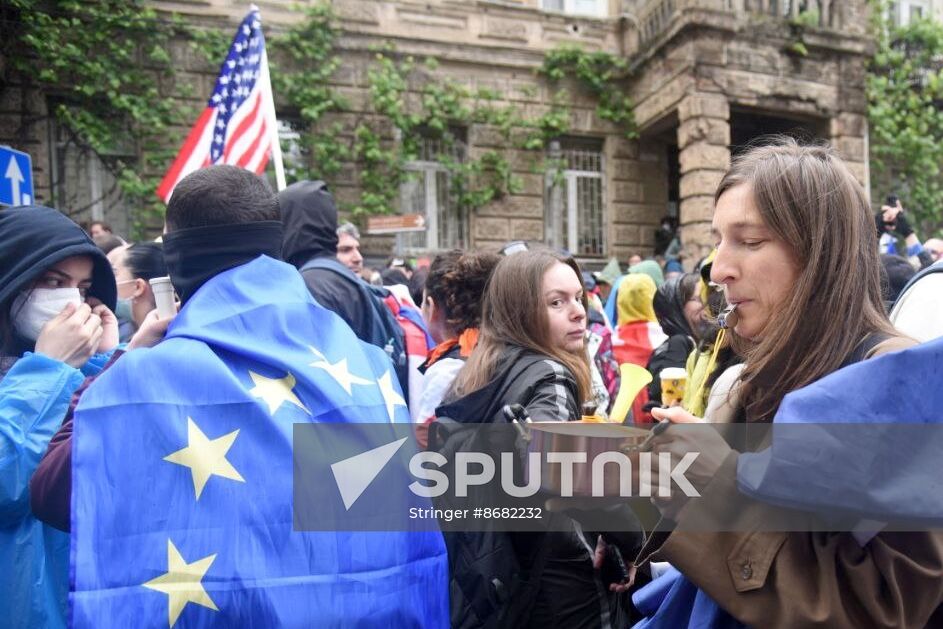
[164, 296]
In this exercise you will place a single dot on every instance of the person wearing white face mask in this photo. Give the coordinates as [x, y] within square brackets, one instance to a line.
[134, 265]
[57, 292]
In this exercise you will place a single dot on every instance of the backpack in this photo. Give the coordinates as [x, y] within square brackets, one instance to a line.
[385, 331]
[488, 588]
[416, 340]
[936, 267]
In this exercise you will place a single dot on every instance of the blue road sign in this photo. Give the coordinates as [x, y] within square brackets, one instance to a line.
[16, 177]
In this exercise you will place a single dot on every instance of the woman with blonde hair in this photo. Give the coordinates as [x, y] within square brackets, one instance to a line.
[797, 257]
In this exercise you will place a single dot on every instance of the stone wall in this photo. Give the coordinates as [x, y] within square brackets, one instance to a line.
[706, 62]
[702, 62]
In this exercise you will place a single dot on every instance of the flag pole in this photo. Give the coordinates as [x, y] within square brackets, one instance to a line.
[269, 104]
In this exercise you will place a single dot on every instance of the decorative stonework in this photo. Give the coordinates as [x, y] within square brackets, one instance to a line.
[356, 11]
[504, 29]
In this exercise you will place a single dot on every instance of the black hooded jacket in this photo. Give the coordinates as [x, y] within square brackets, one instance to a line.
[543, 386]
[32, 239]
[669, 304]
[310, 220]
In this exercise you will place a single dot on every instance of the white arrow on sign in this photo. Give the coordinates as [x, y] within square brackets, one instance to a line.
[15, 175]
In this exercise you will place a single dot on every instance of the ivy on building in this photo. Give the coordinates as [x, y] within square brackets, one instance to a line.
[798, 26]
[602, 74]
[103, 62]
[115, 95]
[905, 114]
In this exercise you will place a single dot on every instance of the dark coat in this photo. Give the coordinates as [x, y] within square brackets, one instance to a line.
[548, 579]
[310, 220]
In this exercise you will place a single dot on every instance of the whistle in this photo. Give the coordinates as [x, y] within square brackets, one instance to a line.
[728, 318]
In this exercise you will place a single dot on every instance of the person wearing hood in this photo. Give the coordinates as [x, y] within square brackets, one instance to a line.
[250, 350]
[637, 329]
[310, 242]
[310, 219]
[651, 269]
[679, 310]
[646, 267]
[57, 293]
[607, 278]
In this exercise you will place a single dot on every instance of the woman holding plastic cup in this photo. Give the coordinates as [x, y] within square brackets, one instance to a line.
[798, 261]
[134, 266]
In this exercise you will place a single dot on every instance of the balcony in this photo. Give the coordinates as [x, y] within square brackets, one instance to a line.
[655, 16]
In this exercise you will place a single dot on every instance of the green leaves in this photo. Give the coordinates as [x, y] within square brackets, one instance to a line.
[905, 95]
[105, 59]
[112, 61]
[601, 74]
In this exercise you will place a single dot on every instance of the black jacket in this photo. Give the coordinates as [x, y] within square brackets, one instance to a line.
[541, 385]
[669, 305]
[538, 579]
[32, 239]
[310, 220]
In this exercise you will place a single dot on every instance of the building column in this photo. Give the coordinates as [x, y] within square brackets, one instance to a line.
[703, 142]
[849, 135]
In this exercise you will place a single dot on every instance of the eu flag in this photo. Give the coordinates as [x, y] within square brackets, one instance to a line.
[182, 474]
[863, 440]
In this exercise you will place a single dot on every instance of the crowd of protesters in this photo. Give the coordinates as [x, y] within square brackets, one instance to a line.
[804, 281]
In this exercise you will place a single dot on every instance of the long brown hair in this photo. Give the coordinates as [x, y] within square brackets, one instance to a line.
[809, 199]
[514, 314]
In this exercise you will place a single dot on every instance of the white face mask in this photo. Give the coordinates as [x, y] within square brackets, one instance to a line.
[32, 309]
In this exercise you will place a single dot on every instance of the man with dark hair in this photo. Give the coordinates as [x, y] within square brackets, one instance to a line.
[182, 457]
[896, 271]
[98, 228]
[220, 195]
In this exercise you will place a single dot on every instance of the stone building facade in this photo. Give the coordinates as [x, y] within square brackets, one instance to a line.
[706, 77]
[904, 11]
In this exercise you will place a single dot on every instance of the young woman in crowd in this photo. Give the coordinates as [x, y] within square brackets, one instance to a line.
[797, 256]
[56, 327]
[679, 311]
[133, 266]
[451, 308]
[530, 352]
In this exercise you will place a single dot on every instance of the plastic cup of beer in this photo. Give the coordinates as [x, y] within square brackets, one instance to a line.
[673, 380]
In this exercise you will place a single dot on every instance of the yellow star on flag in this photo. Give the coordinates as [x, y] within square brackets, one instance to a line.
[205, 457]
[182, 583]
[391, 398]
[275, 391]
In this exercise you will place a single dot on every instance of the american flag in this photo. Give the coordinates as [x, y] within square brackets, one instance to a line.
[237, 125]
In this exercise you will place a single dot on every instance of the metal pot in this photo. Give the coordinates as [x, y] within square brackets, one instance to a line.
[612, 441]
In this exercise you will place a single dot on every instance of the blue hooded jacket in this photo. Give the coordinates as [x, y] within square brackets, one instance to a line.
[35, 391]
